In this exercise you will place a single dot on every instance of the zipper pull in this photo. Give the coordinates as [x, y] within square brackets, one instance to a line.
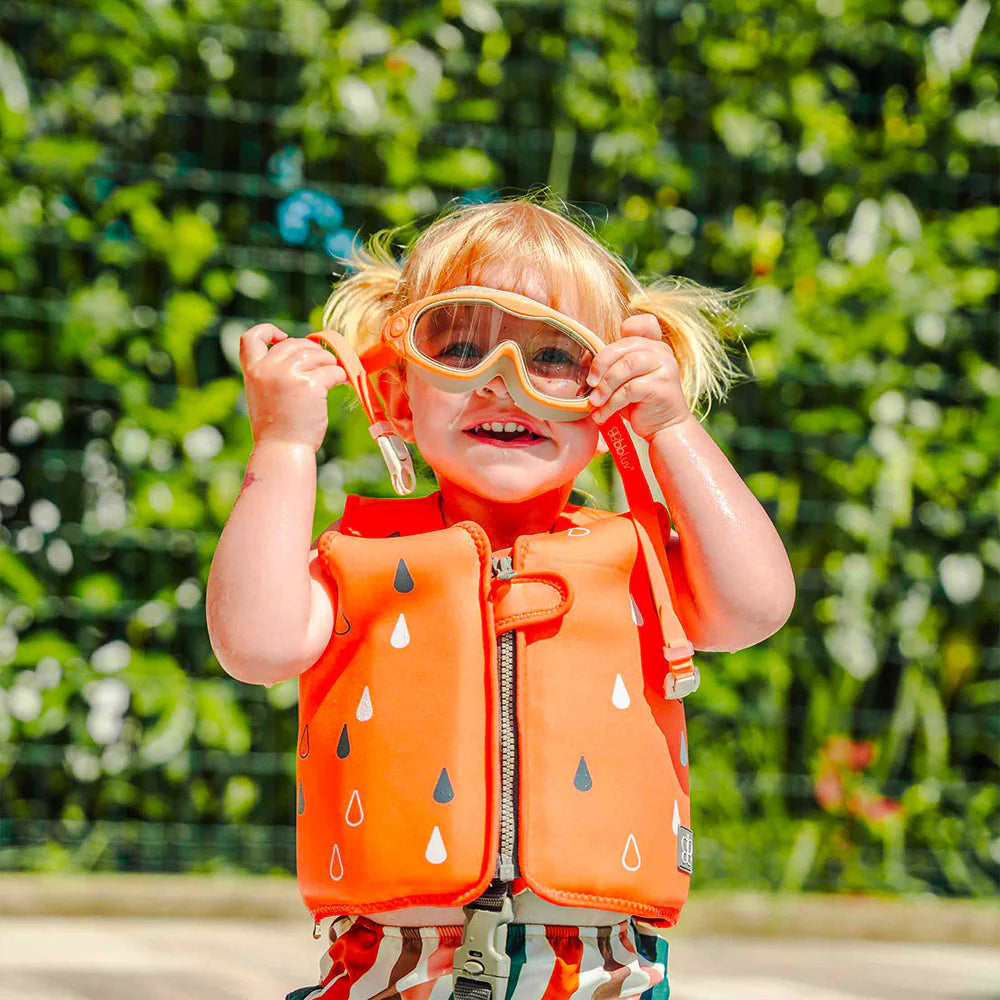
[503, 567]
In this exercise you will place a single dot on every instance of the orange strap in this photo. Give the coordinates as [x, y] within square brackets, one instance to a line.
[392, 446]
[682, 675]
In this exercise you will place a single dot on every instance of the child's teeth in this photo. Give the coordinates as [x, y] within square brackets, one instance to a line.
[512, 428]
[496, 428]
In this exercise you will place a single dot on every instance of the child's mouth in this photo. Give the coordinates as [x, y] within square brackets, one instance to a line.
[507, 433]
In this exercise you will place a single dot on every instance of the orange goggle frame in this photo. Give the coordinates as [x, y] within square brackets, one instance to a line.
[505, 358]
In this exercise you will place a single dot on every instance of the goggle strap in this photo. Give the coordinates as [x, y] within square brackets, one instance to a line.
[682, 675]
[390, 444]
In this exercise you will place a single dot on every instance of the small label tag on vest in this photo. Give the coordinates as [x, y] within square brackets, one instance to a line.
[685, 849]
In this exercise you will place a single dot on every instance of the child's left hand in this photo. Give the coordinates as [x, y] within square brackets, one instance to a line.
[639, 374]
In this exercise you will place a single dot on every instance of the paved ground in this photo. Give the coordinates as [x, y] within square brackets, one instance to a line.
[113, 958]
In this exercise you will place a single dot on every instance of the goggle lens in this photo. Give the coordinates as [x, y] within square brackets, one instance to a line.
[461, 335]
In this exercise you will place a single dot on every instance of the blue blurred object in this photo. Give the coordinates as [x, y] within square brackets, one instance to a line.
[340, 243]
[303, 207]
[478, 196]
[284, 168]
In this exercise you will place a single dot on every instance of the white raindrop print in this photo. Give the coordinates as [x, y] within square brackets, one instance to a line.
[677, 818]
[336, 865]
[619, 697]
[630, 854]
[364, 712]
[577, 532]
[636, 613]
[400, 637]
[435, 852]
[354, 816]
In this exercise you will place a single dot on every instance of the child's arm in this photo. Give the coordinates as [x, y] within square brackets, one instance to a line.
[268, 606]
[268, 610]
[733, 581]
[731, 576]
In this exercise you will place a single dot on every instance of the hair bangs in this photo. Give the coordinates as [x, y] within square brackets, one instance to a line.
[521, 247]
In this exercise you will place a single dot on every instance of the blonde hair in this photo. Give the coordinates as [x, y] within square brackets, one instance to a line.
[469, 243]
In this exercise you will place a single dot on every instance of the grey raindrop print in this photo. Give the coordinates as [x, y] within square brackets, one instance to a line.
[344, 744]
[402, 581]
[341, 626]
[443, 792]
[684, 749]
[304, 743]
[301, 803]
[582, 779]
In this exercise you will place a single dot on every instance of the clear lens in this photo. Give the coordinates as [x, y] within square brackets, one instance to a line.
[460, 335]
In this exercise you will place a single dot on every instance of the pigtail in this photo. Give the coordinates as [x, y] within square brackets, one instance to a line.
[696, 322]
[361, 302]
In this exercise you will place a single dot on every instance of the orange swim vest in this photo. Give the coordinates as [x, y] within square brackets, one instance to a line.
[401, 785]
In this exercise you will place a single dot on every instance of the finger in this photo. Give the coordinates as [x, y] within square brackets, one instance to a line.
[636, 390]
[626, 367]
[254, 342]
[327, 376]
[642, 325]
[612, 352]
[319, 358]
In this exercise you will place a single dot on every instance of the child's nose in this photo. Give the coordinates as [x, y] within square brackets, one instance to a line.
[496, 386]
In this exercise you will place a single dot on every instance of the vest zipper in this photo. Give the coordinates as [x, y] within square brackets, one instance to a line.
[506, 870]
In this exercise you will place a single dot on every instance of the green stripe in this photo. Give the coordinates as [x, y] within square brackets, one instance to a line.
[655, 948]
[515, 949]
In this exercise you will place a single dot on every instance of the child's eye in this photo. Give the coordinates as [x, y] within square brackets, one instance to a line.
[554, 359]
[461, 353]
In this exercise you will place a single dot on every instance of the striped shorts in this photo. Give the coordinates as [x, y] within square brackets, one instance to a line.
[371, 961]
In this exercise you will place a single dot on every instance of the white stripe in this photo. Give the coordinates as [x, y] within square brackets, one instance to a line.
[376, 978]
[428, 945]
[325, 990]
[638, 978]
[592, 971]
[442, 988]
[539, 963]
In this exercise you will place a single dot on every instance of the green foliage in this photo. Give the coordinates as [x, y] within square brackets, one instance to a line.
[835, 158]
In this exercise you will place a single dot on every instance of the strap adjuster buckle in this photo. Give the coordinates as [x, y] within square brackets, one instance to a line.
[683, 677]
[481, 962]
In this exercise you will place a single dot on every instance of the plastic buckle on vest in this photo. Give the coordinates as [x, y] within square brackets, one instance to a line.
[481, 966]
[683, 677]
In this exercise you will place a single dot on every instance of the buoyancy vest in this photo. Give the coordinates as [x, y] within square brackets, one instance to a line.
[399, 766]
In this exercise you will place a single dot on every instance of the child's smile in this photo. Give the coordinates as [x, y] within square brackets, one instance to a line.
[507, 430]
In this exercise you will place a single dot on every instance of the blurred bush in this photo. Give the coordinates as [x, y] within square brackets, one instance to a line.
[173, 172]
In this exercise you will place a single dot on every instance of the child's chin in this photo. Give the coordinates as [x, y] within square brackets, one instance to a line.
[513, 489]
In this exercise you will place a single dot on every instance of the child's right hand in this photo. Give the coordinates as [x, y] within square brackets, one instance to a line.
[287, 385]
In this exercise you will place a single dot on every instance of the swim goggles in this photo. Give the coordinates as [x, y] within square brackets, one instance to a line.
[461, 339]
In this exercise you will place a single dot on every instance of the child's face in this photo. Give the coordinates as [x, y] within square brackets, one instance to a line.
[506, 467]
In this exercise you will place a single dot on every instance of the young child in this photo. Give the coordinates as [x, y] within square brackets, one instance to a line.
[492, 760]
